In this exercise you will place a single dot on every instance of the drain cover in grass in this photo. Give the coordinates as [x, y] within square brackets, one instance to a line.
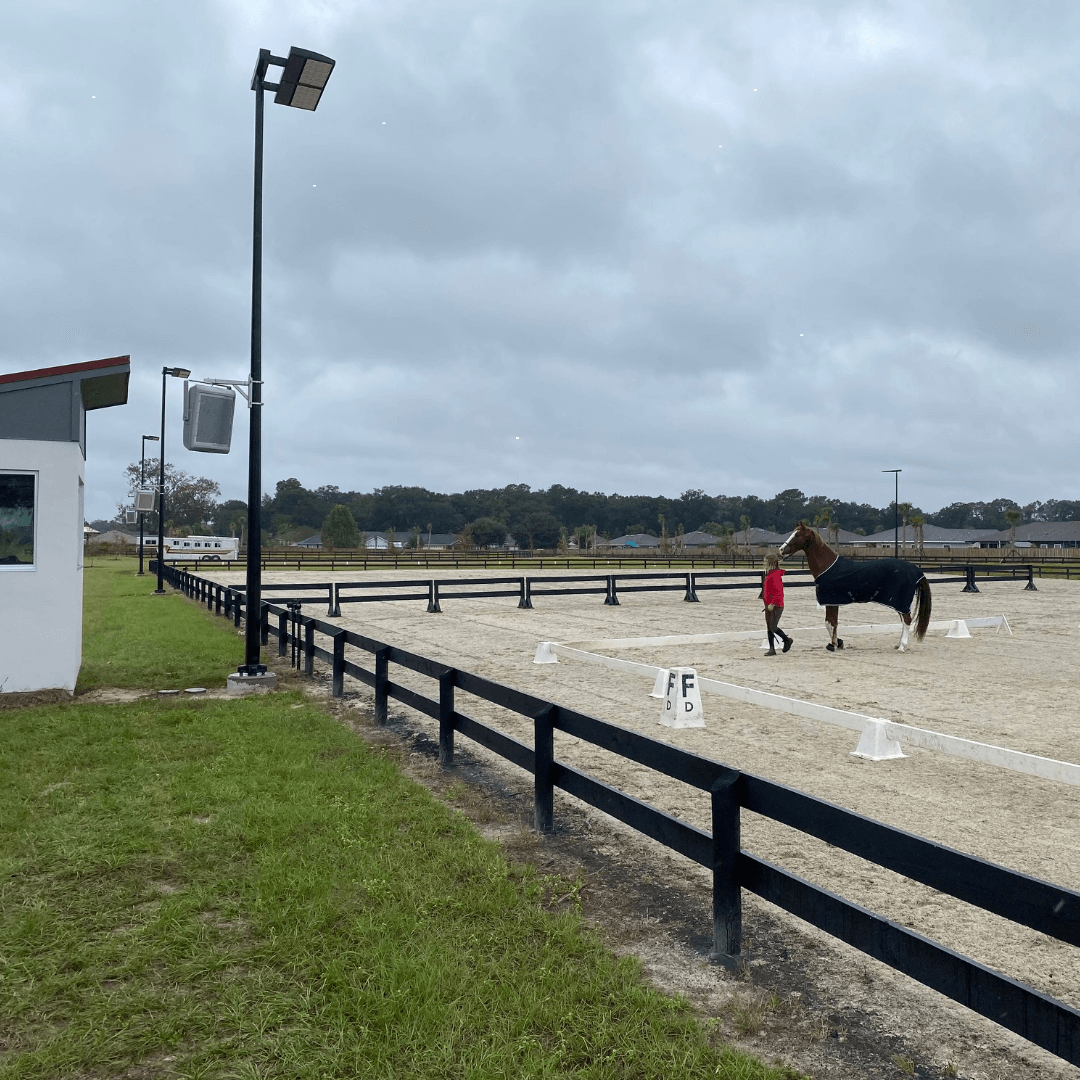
[195, 690]
[168, 692]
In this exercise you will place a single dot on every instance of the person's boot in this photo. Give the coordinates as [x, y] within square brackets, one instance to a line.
[787, 642]
[772, 645]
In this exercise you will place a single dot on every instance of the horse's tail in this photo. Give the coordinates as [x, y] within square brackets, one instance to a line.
[922, 592]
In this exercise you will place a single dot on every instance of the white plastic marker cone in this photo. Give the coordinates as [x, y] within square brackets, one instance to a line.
[545, 654]
[661, 682]
[875, 744]
[682, 699]
[959, 629]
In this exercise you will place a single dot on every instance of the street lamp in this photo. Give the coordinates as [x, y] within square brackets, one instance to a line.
[303, 79]
[176, 373]
[142, 484]
[896, 511]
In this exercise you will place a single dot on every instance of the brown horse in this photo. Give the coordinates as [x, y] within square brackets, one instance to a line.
[839, 580]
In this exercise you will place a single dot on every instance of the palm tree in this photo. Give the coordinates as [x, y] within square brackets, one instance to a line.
[905, 510]
[1013, 517]
[918, 522]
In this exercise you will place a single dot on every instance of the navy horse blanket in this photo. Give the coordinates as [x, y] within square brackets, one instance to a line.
[891, 582]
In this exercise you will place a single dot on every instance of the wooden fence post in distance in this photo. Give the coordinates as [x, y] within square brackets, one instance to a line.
[727, 896]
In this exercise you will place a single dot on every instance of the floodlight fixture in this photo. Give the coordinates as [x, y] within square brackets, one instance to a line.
[176, 372]
[304, 79]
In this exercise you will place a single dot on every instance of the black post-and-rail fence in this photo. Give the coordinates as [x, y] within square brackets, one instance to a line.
[1042, 906]
[432, 591]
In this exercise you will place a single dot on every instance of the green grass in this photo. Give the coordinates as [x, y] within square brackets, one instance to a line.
[244, 889]
[134, 639]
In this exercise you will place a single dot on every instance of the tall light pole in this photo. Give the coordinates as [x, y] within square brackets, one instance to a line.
[142, 483]
[176, 373]
[896, 511]
[303, 79]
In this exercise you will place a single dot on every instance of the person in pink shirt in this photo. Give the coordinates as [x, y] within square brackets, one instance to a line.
[772, 592]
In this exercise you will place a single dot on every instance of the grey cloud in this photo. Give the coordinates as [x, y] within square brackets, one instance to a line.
[546, 239]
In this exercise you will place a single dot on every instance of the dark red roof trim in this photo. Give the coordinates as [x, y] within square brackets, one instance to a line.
[65, 369]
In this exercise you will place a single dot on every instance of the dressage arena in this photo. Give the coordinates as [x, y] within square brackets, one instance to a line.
[1017, 691]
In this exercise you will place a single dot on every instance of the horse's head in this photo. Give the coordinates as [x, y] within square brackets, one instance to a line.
[799, 540]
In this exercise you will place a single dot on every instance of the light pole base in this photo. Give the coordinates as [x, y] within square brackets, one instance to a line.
[238, 685]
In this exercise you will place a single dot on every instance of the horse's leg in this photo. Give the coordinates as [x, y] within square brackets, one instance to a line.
[832, 617]
[905, 625]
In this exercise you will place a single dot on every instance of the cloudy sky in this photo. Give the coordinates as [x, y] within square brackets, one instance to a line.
[619, 245]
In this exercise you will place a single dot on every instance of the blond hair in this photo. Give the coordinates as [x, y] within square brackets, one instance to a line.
[772, 559]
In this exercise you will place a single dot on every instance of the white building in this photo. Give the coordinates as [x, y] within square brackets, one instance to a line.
[42, 458]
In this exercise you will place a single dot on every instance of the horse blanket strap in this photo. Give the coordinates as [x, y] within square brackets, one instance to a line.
[891, 582]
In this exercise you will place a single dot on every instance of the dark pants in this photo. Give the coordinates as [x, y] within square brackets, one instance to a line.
[772, 625]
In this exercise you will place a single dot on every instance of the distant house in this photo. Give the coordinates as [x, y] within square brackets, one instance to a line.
[934, 536]
[1044, 534]
[635, 540]
[314, 541]
[758, 538]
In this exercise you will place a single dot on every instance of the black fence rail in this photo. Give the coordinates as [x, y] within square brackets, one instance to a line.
[1027, 901]
[432, 591]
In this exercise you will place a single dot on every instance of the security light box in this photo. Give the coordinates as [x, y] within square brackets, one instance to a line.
[208, 418]
[144, 500]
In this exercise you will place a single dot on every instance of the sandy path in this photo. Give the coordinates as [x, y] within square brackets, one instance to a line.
[1018, 691]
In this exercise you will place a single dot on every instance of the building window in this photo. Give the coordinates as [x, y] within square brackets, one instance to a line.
[17, 498]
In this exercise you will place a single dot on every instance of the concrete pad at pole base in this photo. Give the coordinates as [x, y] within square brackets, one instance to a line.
[238, 685]
[875, 744]
[959, 629]
[682, 700]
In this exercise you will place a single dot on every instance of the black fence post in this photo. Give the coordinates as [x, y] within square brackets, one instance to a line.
[544, 758]
[433, 597]
[333, 608]
[219, 591]
[236, 609]
[525, 600]
[338, 687]
[446, 717]
[309, 646]
[612, 598]
[282, 633]
[264, 622]
[727, 896]
[691, 596]
[382, 677]
[970, 586]
[1030, 586]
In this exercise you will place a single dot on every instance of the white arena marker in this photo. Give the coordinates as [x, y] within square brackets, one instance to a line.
[959, 629]
[682, 700]
[875, 744]
[545, 653]
[660, 684]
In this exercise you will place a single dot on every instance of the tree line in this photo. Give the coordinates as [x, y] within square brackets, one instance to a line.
[541, 517]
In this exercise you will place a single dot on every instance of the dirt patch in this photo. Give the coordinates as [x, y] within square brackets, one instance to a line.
[36, 697]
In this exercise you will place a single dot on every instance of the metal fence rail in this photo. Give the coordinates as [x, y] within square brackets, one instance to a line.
[524, 588]
[1040, 905]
